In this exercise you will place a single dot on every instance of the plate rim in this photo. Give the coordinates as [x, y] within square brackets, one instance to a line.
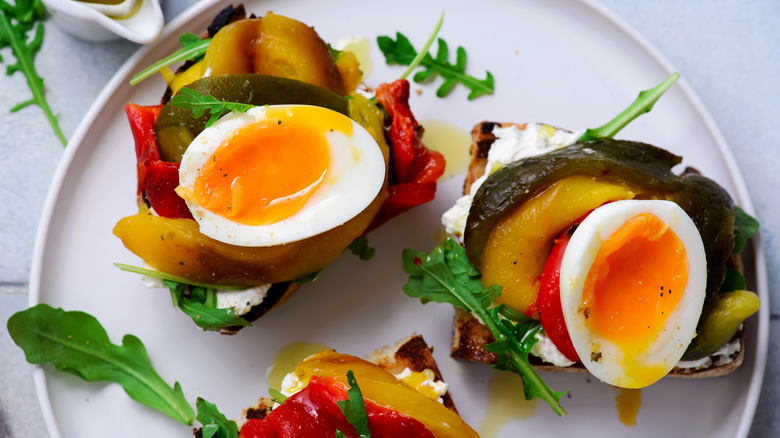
[129, 67]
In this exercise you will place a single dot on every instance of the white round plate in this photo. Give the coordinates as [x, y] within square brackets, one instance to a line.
[567, 63]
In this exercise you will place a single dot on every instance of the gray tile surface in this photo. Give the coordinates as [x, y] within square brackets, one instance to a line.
[729, 50]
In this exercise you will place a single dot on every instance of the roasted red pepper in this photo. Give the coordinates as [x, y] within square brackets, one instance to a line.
[548, 302]
[313, 412]
[414, 168]
[157, 179]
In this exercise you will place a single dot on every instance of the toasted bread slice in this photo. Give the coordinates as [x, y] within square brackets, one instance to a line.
[470, 336]
[412, 352]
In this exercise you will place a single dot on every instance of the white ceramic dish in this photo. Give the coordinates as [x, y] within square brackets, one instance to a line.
[120, 9]
[568, 63]
[139, 21]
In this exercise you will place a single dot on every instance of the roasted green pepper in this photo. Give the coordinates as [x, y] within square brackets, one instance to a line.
[712, 210]
[638, 164]
[718, 326]
[176, 128]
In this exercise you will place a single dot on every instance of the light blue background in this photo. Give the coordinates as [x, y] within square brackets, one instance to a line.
[728, 50]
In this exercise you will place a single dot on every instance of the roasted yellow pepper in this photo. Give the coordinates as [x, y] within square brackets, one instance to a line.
[382, 388]
[277, 46]
[518, 246]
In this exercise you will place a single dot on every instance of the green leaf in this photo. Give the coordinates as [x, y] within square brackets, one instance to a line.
[360, 248]
[196, 300]
[307, 278]
[732, 281]
[215, 424]
[164, 276]
[745, 226]
[190, 99]
[199, 303]
[210, 318]
[192, 49]
[277, 396]
[354, 408]
[334, 53]
[512, 351]
[424, 52]
[643, 104]
[189, 40]
[401, 51]
[15, 23]
[446, 276]
[76, 343]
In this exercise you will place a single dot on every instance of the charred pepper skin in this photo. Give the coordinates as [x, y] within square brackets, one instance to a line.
[157, 178]
[638, 164]
[414, 168]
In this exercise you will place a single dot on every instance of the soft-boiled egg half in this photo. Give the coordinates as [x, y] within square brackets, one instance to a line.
[633, 280]
[278, 174]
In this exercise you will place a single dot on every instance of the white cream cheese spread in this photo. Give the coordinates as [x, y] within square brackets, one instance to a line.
[511, 144]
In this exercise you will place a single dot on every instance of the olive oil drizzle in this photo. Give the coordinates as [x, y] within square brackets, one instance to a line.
[287, 358]
[504, 405]
[451, 141]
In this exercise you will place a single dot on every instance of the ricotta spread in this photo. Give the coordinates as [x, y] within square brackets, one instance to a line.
[424, 382]
[545, 350]
[242, 300]
[723, 356]
[511, 144]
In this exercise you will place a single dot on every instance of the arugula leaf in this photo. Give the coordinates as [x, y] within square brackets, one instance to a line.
[215, 424]
[334, 53]
[354, 408]
[360, 248]
[446, 276]
[15, 22]
[401, 51]
[199, 303]
[192, 49]
[424, 51]
[732, 280]
[164, 276]
[199, 104]
[308, 278]
[277, 396]
[641, 105]
[744, 227]
[196, 300]
[76, 343]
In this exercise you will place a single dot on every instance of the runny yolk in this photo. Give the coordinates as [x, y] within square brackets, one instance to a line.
[636, 280]
[266, 172]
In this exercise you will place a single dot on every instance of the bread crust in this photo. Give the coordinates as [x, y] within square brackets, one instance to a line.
[413, 353]
[470, 336]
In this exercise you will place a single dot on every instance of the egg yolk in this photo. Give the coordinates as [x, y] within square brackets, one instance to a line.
[266, 172]
[636, 280]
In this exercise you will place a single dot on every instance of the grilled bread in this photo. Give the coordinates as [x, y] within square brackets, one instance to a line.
[470, 335]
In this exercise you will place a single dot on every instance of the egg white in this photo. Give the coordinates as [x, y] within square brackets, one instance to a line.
[355, 176]
[665, 351]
